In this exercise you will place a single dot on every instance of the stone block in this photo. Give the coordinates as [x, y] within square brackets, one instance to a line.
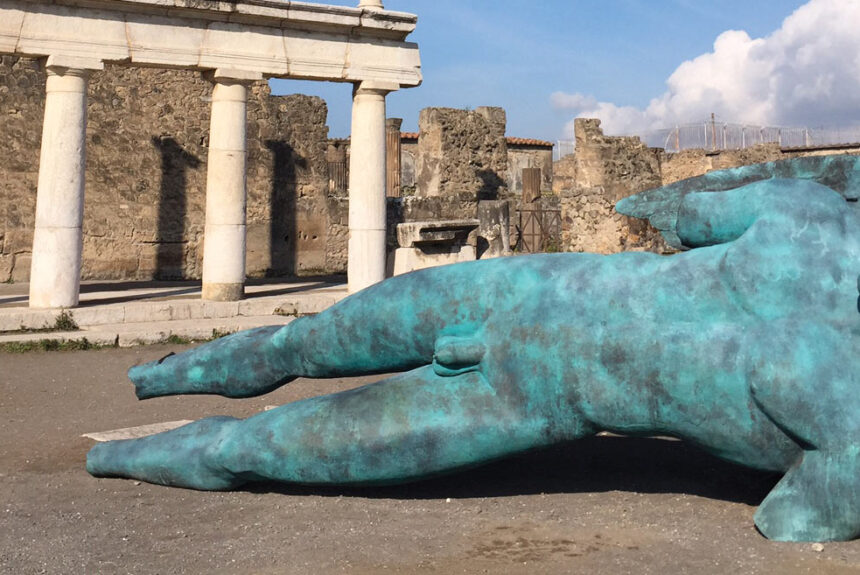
[7, 262]
[21, 270]
[411, 259]
[151, 42]
[447, 232]
[99, 315]
[148, 312]
[11, 20]
[18, 241]
[494, 236]
[220, 309]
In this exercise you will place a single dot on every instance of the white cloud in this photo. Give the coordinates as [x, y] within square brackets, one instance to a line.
[805, 73]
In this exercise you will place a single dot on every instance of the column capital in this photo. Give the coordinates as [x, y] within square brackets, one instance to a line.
[374, 87]
[370, 4]
[233, 76]
[62, 65]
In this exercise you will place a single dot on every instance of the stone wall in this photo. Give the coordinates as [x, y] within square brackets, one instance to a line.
[691, 163]
[146, 176]
[522, 155]
[462, 151]
[21, 109]
[604, 170]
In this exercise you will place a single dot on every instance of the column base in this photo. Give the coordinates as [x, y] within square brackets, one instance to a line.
[223, 292]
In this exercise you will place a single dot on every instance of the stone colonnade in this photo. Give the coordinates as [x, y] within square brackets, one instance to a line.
[57, 244]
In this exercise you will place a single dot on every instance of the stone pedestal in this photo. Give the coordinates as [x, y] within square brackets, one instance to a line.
[494, 237]
[366, 265]
[55, 272]
[224, 239]
[428, 244]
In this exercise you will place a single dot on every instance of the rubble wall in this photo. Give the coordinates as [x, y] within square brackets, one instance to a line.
[462, 152]
[604, 170]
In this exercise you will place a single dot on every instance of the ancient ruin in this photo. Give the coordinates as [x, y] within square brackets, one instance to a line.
[234, 44]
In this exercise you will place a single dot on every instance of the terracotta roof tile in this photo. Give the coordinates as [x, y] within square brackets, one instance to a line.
[529, 142]
[511, 141]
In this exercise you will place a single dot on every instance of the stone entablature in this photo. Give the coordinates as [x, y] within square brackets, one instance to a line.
[272, 39]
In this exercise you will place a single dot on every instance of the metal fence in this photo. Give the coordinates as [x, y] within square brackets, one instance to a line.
[563, 148]
[713, 135]
[724, 136]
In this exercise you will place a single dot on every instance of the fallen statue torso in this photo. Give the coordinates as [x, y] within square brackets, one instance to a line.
[747, 345]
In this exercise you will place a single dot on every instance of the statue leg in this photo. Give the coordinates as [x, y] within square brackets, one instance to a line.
[392, 326]
[809, 390]
[410, 426]
[817, 500]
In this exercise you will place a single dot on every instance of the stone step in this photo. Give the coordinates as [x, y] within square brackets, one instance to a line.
[22, 318]
[128, 334]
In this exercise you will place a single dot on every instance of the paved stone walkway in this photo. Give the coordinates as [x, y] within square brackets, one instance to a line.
[132, 313]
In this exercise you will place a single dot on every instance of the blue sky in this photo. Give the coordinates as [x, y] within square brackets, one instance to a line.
[547, 61]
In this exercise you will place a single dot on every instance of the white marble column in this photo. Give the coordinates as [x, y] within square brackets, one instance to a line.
[366, 264]
[55, 271]
[224, 235]
[371, 4]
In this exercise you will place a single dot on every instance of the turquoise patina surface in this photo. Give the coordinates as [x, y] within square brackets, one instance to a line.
[747, 345]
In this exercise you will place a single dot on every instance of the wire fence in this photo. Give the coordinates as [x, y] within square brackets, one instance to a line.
[712, 135]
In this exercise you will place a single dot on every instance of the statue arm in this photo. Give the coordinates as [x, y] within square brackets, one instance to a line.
[692, 219]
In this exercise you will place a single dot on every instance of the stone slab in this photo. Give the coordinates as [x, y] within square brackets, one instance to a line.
[413, 234]
[135, 432]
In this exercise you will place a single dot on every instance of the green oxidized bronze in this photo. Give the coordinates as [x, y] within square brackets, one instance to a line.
[747, 345]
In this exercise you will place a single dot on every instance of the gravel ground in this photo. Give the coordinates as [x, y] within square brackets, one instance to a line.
[603, 505]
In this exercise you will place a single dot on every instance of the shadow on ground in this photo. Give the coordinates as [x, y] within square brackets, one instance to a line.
[597, 464]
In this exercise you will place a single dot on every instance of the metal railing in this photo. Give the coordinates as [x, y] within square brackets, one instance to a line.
[713, 135]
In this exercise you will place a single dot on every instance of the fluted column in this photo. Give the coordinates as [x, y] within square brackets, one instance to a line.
[224, 234]
[55, 272]
[366, 264]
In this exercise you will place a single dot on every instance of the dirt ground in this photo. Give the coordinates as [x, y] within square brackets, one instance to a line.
[604, 505]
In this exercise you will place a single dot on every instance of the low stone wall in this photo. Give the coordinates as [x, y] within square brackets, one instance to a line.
[691, 163]
[146, 176]
[591, 224]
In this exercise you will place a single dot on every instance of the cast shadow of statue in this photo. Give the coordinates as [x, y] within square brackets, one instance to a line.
[172, 207]
[592, 465]
[283, 202]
